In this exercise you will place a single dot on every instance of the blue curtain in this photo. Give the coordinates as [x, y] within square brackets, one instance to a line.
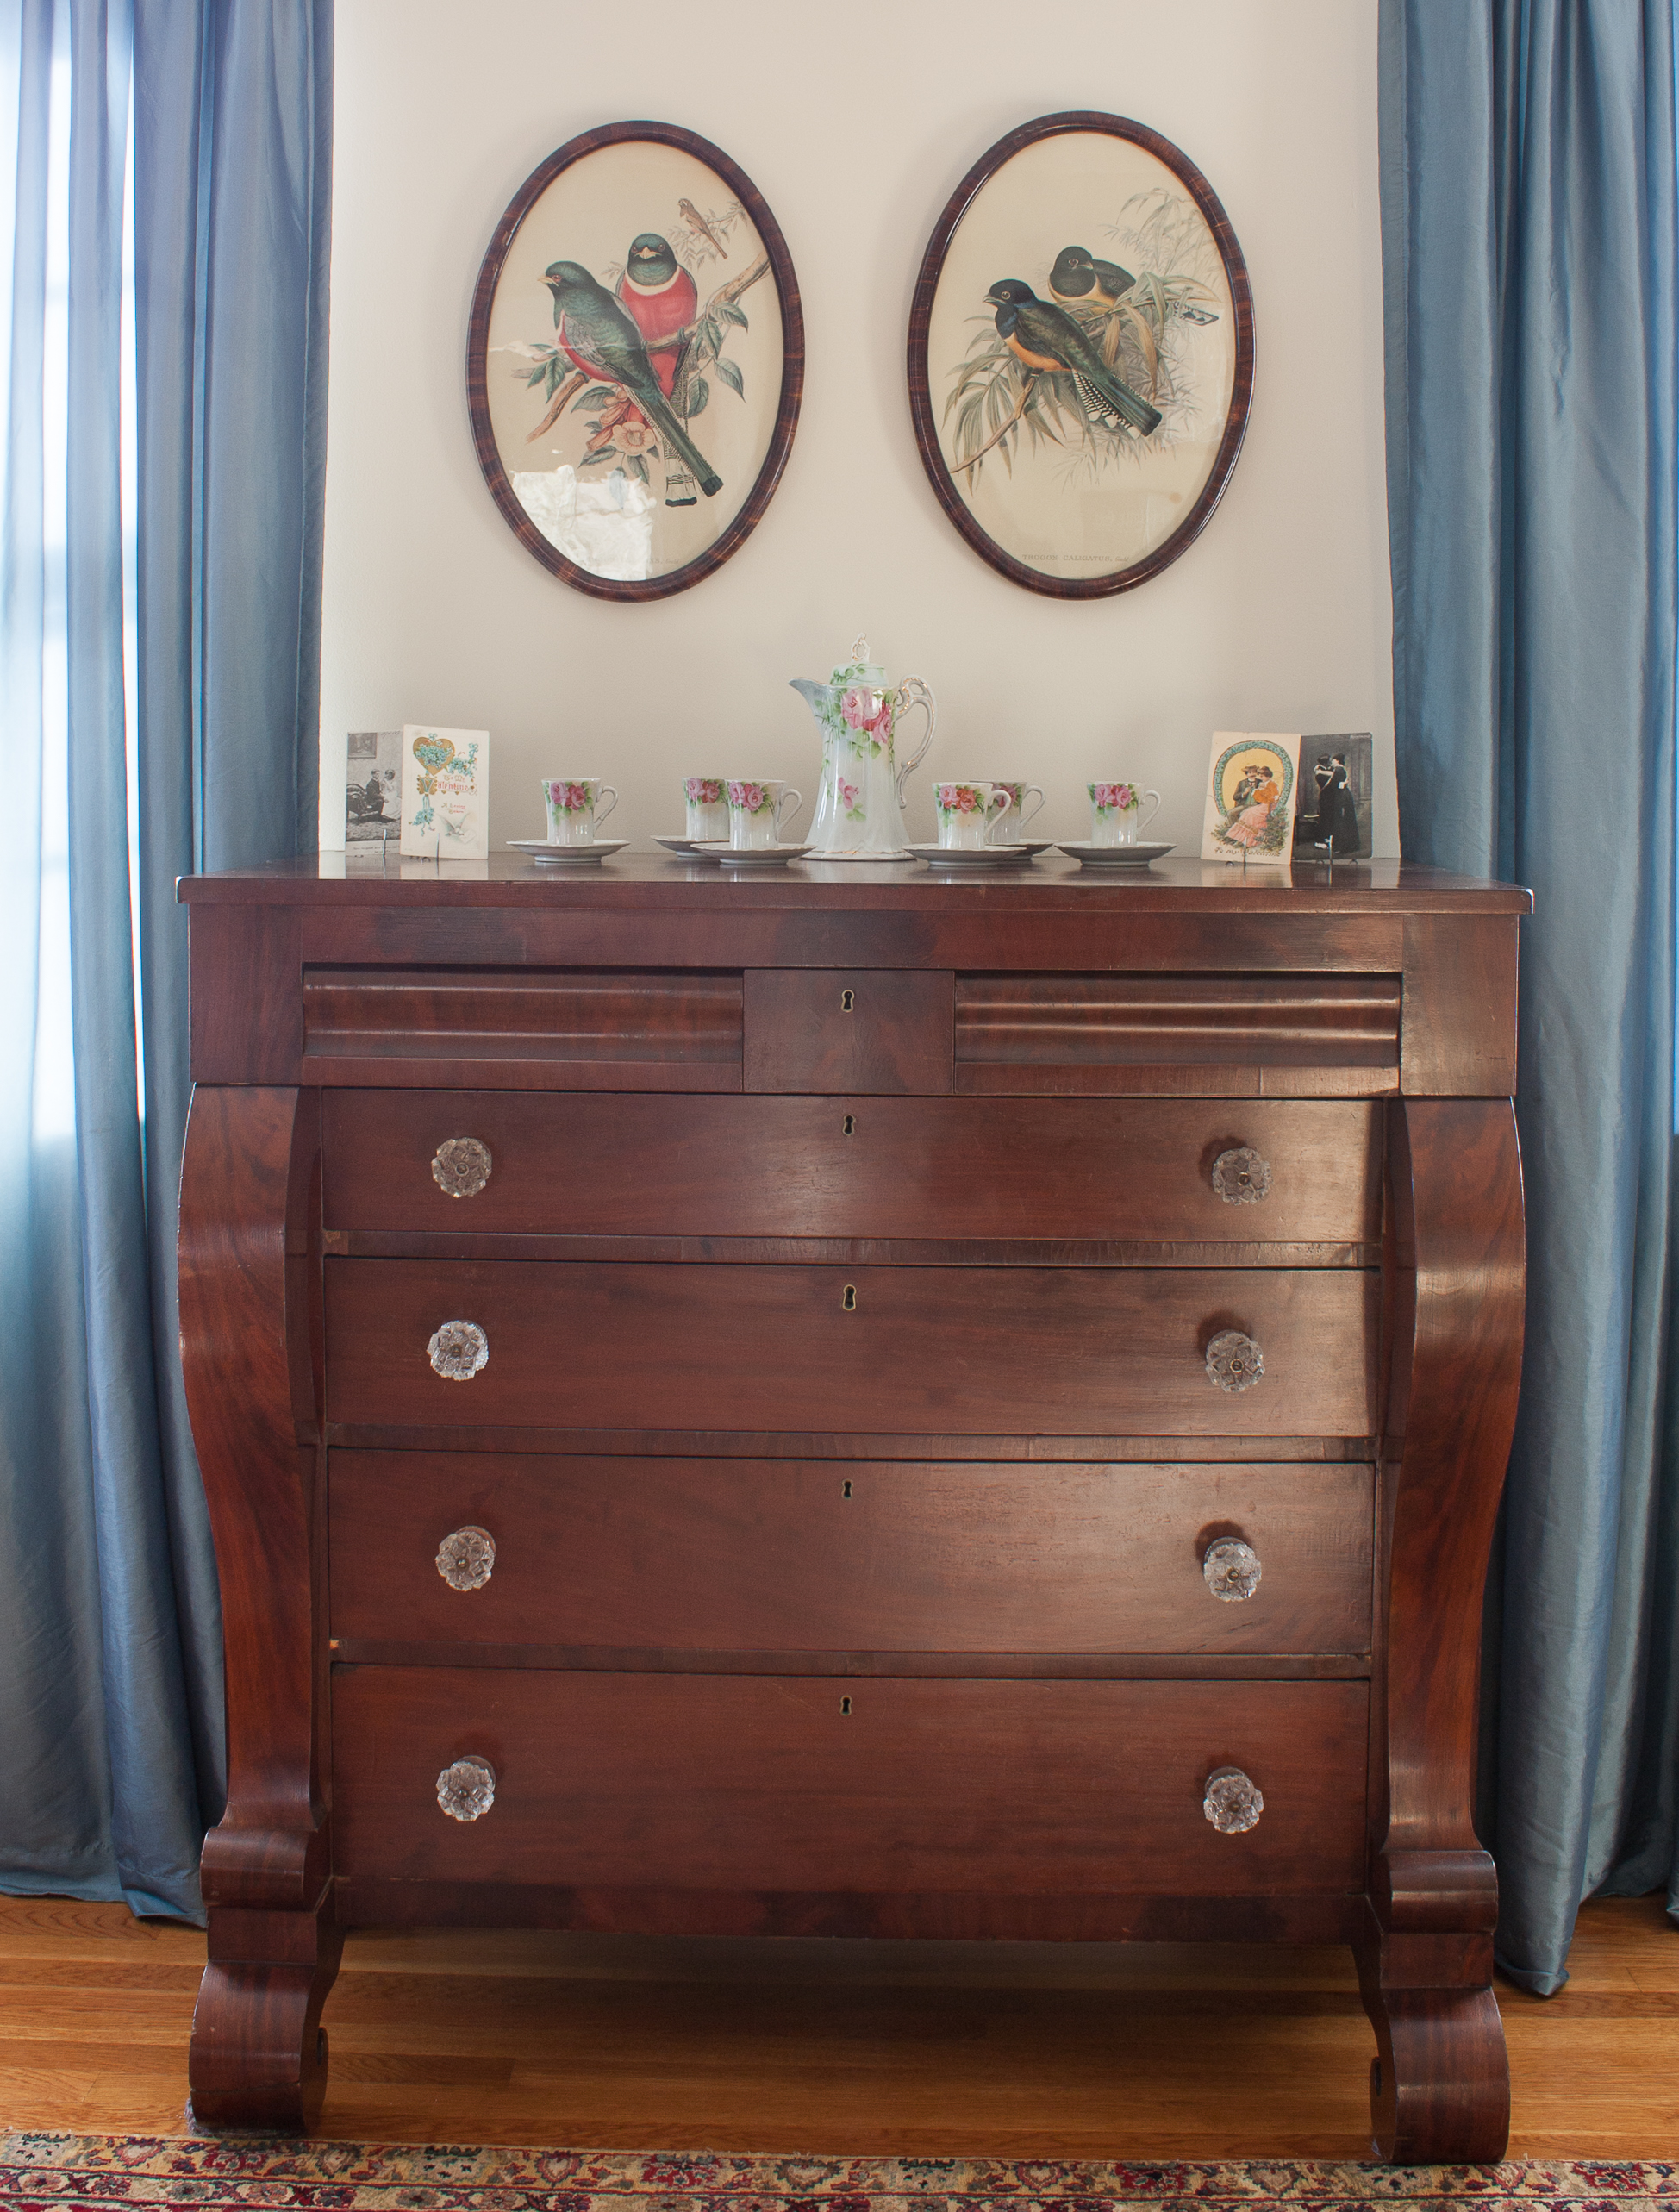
[168, 163]
[1529, 242]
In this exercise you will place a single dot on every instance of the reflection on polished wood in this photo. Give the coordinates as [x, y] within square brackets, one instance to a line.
[1191, 2051]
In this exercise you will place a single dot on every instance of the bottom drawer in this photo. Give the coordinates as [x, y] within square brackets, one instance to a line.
[746, 1783]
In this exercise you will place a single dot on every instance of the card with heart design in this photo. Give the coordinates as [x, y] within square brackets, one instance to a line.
[445, 793]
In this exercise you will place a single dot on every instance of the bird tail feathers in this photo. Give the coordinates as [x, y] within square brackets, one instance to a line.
[1113, 402]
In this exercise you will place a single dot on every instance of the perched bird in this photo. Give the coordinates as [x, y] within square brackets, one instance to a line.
[1046, 337]
[601, 339]
[661, 297]
[700, 228]
[1076, 280]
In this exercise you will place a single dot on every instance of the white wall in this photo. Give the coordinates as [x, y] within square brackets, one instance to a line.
[855, 121]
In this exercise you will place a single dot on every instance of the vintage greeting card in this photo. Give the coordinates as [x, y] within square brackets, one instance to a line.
[445, 793]
[1251, 797]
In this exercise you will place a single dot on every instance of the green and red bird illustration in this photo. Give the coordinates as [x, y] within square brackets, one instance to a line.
[596, 334]
[1078, 280]
[1047, 338]
[661, 297]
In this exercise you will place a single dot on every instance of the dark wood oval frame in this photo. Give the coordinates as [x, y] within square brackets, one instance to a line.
[792, 372]
[1241, 394]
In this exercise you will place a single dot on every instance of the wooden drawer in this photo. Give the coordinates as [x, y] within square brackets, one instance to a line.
[1241, 1034]
[853, 1166]
[780, 1555]
[1058, 1351]
[849, 1029]
[525, 1027]
[746, 1784]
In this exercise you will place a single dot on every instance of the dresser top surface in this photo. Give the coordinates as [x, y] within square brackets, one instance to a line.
[639, 881]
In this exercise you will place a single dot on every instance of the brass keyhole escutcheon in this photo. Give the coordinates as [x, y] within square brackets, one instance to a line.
[847, 1002]
[850, 1127]
[848, 1299]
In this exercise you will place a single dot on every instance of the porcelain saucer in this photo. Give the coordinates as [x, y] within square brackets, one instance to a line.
[1116, 856]
[684, 848]
[752, 856]
[537, 848]
[977, 856]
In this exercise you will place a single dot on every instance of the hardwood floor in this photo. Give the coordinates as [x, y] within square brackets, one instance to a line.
[915, 2049]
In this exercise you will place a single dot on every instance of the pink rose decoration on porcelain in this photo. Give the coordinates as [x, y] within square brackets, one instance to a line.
[855, 709]
[750, 798]
[1110, 799]
[569, 798]
[703, 791]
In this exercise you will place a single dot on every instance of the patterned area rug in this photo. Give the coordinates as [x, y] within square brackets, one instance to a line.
[57, 2173]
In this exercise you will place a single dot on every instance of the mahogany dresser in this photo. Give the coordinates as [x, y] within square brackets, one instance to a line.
[839, 1403]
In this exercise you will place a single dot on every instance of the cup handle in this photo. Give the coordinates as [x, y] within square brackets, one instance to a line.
[788, 805]
[1152, 811]
[992, 827]
[601, 812]
[1030, 792]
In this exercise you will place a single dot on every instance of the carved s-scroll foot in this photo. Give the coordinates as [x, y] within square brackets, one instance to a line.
[258, 2056]
[1440, 2084]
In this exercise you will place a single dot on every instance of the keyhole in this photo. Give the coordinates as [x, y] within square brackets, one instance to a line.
[845, 1707]
[846, 1491]
[849, 1129]
[849, 1300]
[847, 1001]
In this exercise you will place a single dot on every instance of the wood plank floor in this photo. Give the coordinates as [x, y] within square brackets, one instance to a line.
[913, 2049]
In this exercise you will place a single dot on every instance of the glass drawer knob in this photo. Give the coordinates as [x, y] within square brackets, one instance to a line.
[466, 1790]
[457, 1349]
[466, 1557]
[1235, 1362]
[1232, 1800]
[1230, 1567]
[461, 1166]
[1241, 1177]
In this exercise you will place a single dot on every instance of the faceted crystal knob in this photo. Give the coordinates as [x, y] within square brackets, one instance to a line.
[1232, 1800]
[457, 1349]
[1232, 1569]
[466, 1790]
[1235, 1362]
[1241, 1177]
[461, 1166]
[467, 1559]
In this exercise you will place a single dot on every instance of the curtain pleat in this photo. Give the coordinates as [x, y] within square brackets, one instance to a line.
[1529, 242]
[110, 1662]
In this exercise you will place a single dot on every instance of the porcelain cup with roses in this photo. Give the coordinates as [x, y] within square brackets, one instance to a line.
[707, 807]
[1116, 811]
[968, 811]
[757, 807]
[1008, 826]
[574, 807]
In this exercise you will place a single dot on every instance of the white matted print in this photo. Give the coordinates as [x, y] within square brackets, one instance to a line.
[1251, 794]
[445, 793]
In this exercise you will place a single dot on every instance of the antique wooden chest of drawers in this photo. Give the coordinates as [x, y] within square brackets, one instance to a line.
[842, 1402]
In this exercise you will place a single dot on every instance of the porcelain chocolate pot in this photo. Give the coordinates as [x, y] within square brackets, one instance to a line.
[860, 805]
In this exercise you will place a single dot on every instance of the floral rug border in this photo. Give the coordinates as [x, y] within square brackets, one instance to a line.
[270, 2174]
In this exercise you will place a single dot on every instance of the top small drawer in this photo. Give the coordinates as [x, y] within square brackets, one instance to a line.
[853, 1031]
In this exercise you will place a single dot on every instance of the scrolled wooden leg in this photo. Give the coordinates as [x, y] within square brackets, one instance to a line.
[1440, 2083]
[258, 2055]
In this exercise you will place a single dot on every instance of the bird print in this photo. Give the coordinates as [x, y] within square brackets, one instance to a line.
[1045, 338]
[700, 228]
[1078, 280]
[596, 334]
[661, 297]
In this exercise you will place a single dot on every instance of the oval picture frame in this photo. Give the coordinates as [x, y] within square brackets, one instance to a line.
[606, 501]
[1113, 229]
